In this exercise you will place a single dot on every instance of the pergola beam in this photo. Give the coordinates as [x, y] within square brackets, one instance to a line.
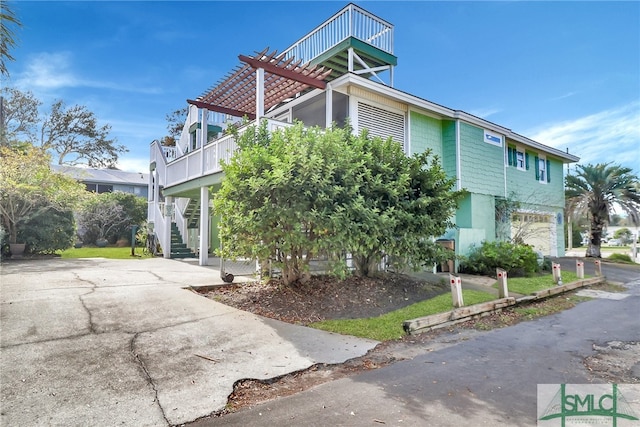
[283, 72]
[220, 109]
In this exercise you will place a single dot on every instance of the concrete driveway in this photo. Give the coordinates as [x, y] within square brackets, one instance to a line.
[121, 342]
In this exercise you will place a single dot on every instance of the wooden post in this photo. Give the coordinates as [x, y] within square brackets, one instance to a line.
[456, 290]
[503, 290]
[580, 269]
[557, 274]
[598, 267]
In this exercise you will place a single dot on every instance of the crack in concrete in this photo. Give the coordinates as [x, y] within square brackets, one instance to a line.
[148, 376]
[92, 326]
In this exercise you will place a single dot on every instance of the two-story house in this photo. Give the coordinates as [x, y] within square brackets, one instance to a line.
[343, 69]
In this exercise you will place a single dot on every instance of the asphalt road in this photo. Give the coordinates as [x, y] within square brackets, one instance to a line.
[490, 379]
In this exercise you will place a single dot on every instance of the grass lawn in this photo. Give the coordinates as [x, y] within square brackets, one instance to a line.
[528, 285]
[389, 326]
[108, 252]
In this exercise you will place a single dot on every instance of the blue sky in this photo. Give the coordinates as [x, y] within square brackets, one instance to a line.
[566, 74]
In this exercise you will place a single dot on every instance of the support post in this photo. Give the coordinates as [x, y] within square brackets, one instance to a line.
[456, 290]
[259, 94]
[580, 269]
[204, 226]
[328, 109]
[598, 267]
[204, 130]
[557, 274]
[503, 290]
[168, 218]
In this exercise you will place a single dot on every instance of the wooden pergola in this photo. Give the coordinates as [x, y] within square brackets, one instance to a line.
[260, 83]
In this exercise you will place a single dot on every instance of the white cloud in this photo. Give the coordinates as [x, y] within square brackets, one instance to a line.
[52, 71]
[133, 164]
[566, 95]
[607, 136]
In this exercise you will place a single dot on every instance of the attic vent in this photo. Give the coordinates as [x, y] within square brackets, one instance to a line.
[381, 122]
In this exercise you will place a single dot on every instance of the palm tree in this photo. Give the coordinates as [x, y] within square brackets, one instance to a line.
[7, 40]
[595, 190]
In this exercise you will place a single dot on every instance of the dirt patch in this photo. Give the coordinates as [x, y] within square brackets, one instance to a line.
[326, 298]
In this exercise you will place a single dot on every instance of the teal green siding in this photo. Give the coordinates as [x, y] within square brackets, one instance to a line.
[449, 147]
[426, 134]
[214, 234]
[481, 164]
[523, 186]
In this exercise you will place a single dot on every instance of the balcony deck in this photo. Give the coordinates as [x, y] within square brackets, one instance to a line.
[201, 164]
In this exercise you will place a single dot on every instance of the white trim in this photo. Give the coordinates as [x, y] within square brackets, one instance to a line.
[353, 79]
[407, 145]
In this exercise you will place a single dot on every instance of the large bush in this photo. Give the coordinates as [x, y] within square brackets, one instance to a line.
[516, 259]
[48, 231]
[299, 193]
[110, 216]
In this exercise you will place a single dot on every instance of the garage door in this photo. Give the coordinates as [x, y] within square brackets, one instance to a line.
[537, 230]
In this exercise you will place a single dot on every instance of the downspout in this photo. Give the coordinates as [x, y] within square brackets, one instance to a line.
[329, 106]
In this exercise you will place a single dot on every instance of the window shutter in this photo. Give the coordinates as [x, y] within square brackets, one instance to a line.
[548, 171]
[537, 168]
[510, 156]
[526, 160]
[381, 122]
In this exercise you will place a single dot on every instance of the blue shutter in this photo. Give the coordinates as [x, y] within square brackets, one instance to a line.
[548, 171]
[510, 156]
[537, 168]
[526, 160]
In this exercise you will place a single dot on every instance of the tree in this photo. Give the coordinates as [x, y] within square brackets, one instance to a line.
[403, 203]
[72, 134]
[283, 197]
[7, 36]
[175, 124]
[28, 186]
[20, 117]
[110, 216]
[99, 218]
[595, 190]
[300, 193]
[624, 235]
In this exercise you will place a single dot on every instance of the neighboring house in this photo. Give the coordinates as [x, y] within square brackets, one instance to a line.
[108, 180]
[344, 69]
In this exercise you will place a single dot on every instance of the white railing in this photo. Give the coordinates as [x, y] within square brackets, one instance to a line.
[351, 21]
[170, 153]
[192, 165]
[200, 162]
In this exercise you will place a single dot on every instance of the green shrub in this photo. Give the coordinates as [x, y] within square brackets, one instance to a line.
[516, 259]
[620, 258]
[48, 230]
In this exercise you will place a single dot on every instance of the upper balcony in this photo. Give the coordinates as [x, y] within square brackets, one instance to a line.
[352, 27]
[200, 162]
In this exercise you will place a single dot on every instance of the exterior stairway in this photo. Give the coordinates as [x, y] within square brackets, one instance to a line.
[192, 213]
[178, 248]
